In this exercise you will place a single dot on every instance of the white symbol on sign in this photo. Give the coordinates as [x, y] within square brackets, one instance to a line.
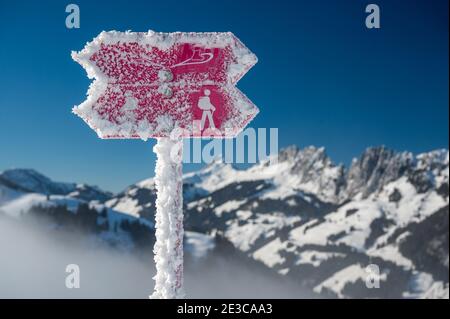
[196, 58]
[204, 103]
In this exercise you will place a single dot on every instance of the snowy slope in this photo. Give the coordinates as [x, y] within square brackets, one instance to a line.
[30, 181]
[305, 218]
[27, 195]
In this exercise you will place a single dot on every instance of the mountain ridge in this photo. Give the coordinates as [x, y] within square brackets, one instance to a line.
[306, 218]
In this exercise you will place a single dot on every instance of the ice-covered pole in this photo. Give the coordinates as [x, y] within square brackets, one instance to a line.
[169, 219]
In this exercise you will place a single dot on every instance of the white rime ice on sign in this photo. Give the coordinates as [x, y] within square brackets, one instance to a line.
[153, 72]
[169, 220]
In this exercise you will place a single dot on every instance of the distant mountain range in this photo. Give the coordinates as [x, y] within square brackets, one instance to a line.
[304, 218]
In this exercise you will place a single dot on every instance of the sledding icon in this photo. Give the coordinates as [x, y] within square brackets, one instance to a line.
[197, 57]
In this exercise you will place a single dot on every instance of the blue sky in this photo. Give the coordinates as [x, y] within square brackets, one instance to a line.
[323, 79]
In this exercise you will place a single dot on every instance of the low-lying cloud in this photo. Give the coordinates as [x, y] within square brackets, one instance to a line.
[33, 261]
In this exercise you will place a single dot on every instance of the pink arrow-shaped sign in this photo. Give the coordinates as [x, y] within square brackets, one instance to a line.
[152, 85]
[146, 84]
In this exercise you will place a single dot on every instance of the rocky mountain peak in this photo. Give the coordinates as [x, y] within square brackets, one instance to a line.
[294, 154]
[376, 167]
[437, 159]
[313, 171]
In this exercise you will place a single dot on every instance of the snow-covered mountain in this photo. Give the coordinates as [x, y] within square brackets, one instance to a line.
[309, 220]
[28, 196]
[321, 224]
[30, 181]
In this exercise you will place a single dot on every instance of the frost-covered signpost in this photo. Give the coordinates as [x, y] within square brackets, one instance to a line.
[166, 86]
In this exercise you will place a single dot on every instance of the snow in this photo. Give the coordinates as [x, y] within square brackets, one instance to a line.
[244, 236]
[422, 285]
[426, 160]
[24, 203]
[283, 271]
[249, 229]
[340, 279]
[197, 204]
[165, 75]
[282, 174]
[8, 194]
[269, 254]
[169, 221]
[228, 207]
[438, 290]
[31, 181]
[218, 175]
[391, 253]
[315, 258]
[244, 214]
[127, 205]
[412, 206]
[116, 217]
[356, 228]
[215, 176]
[198, 244]
[148, 183]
